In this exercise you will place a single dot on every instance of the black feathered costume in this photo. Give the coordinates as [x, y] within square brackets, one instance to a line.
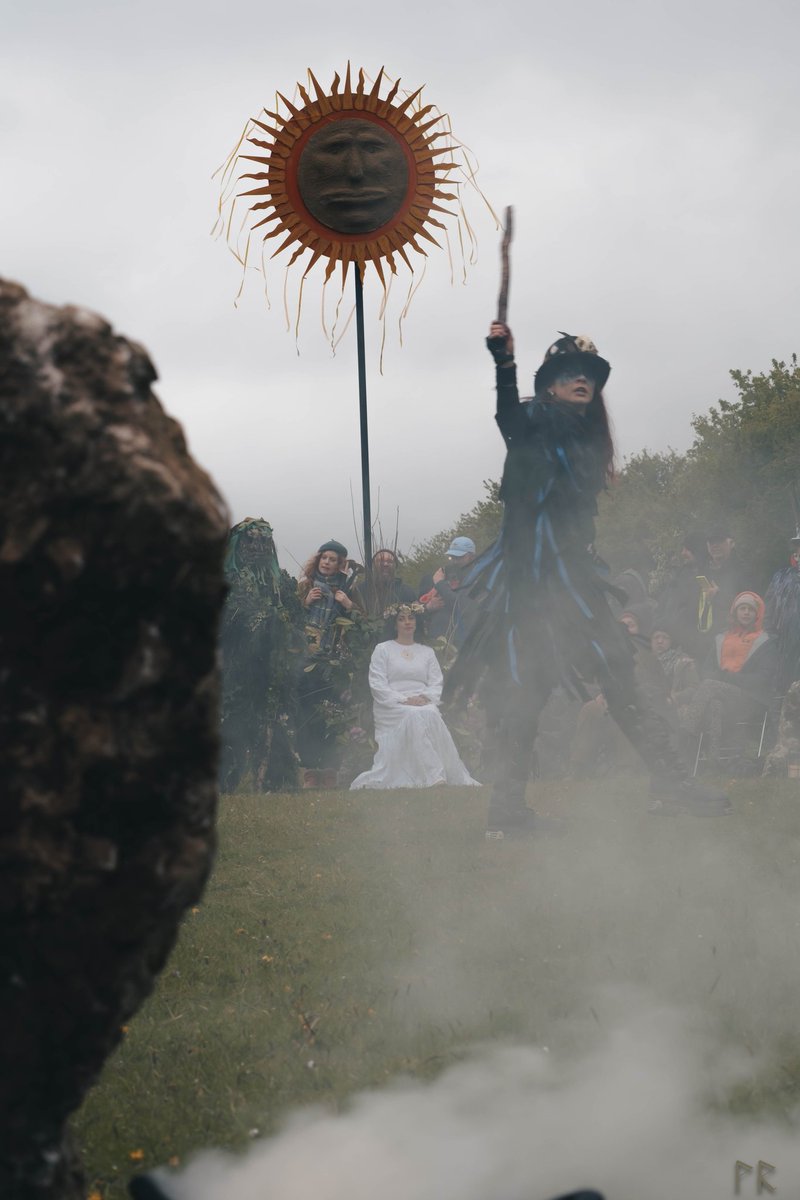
[542, 600]
[542, 603]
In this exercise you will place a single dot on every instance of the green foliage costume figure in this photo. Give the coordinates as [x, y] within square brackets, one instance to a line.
[258, 637]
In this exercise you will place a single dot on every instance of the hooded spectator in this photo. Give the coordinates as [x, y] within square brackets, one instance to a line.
[782, 617]
[740, 676]
[745, 655]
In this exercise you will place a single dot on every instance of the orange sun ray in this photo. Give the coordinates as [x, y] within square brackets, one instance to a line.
[409, 124]
[338, 226]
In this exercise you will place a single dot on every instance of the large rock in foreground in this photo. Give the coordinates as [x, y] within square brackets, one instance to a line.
[111, 544]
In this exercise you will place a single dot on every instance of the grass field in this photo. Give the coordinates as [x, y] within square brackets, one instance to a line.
[348, 938]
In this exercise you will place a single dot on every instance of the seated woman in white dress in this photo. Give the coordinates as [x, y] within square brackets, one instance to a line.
[415, 749]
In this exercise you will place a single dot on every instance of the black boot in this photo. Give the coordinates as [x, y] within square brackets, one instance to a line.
[672, 789]
[144, 1187]
[581, 1196]
[510, 817]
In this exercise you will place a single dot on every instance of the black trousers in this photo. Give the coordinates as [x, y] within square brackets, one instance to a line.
[514, 708]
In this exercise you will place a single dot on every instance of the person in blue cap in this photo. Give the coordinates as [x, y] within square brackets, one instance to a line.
[446, 613]
[543, 616]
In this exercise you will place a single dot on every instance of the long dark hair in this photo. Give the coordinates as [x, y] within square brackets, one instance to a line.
[597, 416]
[598, 429]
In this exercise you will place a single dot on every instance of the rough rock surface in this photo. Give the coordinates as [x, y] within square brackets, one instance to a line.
[111, 545]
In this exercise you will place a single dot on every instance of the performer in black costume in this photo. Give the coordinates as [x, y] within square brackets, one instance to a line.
[543, 614]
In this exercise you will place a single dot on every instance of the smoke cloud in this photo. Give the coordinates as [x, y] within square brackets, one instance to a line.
[635, 1117]
[646, 973]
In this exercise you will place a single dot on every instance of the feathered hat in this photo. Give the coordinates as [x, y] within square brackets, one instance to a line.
[571, 350]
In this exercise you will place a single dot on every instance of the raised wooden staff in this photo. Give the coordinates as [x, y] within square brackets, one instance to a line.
[505, 267]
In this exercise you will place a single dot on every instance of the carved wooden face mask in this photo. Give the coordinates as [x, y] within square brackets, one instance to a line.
[353, 176]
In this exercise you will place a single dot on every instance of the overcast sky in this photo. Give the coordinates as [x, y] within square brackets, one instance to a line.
[650, 150]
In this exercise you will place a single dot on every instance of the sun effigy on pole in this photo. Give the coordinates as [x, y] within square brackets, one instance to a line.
[350, 177]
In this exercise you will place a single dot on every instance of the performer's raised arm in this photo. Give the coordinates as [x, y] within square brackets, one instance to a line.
[500, 344]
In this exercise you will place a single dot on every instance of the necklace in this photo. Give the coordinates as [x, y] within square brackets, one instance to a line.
[406, 649]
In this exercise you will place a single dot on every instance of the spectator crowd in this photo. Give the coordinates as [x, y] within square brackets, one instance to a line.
[325, 674]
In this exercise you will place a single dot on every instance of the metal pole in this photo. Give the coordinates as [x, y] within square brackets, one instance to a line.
[362, 409]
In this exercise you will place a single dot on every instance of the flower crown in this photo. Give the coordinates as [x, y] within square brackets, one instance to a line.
[405, 610]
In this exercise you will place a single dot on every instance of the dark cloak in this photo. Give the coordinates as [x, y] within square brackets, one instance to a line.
[541, 597]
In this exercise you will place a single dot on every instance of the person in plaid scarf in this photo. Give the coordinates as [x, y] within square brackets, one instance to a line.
[327, 593]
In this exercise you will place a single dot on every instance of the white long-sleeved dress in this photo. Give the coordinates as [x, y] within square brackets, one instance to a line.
[415, 749]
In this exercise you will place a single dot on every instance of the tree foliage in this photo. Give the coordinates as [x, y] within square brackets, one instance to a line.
[481, 523]
[739, 472]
